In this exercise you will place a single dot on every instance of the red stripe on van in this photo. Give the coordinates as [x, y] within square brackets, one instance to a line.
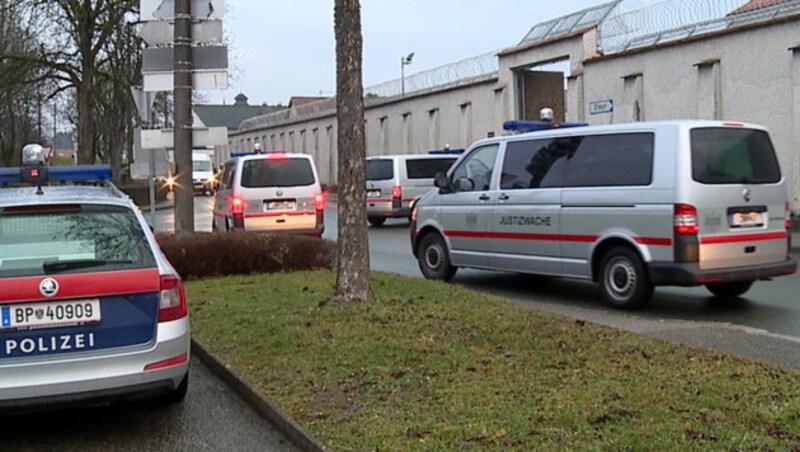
[738, 238]
[278, 214]
[550, 237]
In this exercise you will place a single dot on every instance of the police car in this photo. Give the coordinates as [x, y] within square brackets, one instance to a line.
[90, 309]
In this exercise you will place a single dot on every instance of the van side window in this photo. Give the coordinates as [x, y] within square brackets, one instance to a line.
[612, 160]
[427, 168]
[535, 163]
[227, 175]
[476, 168]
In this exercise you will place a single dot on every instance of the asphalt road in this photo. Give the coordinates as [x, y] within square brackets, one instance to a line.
[211, 418]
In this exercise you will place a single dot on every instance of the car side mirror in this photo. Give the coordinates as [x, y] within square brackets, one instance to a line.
[440, 181]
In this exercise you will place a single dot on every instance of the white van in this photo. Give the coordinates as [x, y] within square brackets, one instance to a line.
[270, 192]
[394, 182]
[631, 206]
[203, 177]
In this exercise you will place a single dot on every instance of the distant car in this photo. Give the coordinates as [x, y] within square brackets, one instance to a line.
[395, 181]
[270, 192]
[90, 310]
[204, 177]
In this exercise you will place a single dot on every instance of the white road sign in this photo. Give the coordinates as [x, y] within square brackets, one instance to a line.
[165, 9]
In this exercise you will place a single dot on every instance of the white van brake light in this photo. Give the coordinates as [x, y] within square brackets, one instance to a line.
[685, 219]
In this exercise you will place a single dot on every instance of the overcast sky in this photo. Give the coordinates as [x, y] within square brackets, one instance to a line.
[284, 48]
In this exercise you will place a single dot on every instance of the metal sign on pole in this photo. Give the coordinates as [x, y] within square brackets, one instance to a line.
[166, 9]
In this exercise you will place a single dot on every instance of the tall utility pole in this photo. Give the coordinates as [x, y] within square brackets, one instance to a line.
[184, 194]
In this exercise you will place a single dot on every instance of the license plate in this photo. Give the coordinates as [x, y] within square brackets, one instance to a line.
[747, 219]
[373, 193]
[280, 205]
[53, 314]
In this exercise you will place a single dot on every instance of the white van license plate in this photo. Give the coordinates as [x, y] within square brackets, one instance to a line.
[747, 219]
[280, 205]
[49, 314]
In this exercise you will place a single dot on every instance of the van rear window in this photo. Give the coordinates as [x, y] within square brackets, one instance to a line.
[285, 172]
[380, 169]
[427, 168]
[733, 156]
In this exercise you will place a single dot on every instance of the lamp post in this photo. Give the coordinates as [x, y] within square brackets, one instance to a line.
[404, 60]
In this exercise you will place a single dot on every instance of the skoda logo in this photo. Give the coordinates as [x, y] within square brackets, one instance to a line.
[746, 194]
[279, 193]
[48, 287]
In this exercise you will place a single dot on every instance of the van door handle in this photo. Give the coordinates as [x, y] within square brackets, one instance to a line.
[504, 197]
[484, 197]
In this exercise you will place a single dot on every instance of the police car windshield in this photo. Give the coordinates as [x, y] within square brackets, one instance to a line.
[84, 237]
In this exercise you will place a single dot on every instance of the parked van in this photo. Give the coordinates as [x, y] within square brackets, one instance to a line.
[631, 206]
[272, 192]
[395, 181]
[203, 176]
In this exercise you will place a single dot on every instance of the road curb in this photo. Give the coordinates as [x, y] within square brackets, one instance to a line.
[263, 406]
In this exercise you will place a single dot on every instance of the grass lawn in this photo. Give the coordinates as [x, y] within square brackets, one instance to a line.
[432, 366]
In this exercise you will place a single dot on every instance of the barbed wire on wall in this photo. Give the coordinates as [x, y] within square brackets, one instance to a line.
[641, 23]
[469, 68]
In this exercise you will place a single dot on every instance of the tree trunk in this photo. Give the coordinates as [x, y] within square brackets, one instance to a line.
[86, 132]
[352, 279]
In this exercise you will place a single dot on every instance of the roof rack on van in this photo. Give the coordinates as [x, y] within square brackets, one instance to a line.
[446, 151]
[519, 126]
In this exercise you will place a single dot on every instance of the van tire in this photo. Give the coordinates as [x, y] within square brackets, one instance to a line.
[376, 221]
[729, 290]
[623, 279]
[434, 259]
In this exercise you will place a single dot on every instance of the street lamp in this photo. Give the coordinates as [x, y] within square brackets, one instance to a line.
[404, 60]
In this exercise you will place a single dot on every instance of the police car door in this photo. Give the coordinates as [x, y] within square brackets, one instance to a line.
[465, 211]
[525, 222]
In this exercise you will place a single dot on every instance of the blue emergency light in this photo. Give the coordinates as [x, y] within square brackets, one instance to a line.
[247, 153]
[446, 151]
[40, 174]
[518, 126]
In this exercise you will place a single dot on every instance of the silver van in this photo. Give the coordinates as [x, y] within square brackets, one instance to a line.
[270, 192]
[394, 182]
[631, 206]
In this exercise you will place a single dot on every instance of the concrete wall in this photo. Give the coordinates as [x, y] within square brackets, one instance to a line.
[751, 75]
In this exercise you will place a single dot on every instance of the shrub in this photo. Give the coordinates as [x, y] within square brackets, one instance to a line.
[139, 191]
[206, 254]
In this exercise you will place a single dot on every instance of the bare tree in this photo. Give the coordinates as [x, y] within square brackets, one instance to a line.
[21, 83]
[352, 279]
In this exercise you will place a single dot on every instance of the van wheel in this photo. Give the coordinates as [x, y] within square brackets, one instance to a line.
[729, 290]
[623, 279]
[376, 221]
[434, 261]
[213, 225]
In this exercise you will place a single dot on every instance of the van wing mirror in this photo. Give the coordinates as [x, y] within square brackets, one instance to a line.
[440, 181]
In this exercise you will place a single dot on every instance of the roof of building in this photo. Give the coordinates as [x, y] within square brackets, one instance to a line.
[757, 4]
[231, 116]
[296, 101]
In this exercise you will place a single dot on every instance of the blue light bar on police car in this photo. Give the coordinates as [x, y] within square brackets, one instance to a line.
[77, 173]
[536, 126]
[247, 153]
[446, 151]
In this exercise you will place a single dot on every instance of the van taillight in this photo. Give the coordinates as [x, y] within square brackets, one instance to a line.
[237, 206]
[319, 201]
[685, 220]
[171, 299]
[788, 219]
[397, 192]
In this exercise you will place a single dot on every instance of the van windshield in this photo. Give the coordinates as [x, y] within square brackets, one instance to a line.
[201, 165]
[733, 156]
[380, 169]
[284, 172]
